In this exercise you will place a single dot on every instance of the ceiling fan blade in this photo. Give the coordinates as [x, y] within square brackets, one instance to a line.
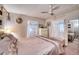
[44, 12]
[55, 8]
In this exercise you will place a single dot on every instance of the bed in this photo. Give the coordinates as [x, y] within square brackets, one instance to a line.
[4, 46]
[40, 46]
[59, 43]
[33, 46]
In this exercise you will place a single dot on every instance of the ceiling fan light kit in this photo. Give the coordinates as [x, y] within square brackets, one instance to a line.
[51, 9]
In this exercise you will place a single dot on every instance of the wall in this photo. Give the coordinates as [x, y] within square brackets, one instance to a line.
[65, 17]
[20, 30]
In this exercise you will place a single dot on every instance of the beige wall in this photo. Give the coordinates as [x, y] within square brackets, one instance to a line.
[20, 29]
[67, 16]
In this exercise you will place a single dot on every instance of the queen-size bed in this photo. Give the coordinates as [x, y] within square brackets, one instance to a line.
[34, 46]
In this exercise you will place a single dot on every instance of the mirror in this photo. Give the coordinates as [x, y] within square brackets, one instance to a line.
[19, 20]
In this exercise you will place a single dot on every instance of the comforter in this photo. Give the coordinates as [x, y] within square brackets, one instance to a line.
[33, 46]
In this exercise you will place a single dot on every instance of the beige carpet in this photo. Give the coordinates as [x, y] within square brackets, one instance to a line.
[72, 48]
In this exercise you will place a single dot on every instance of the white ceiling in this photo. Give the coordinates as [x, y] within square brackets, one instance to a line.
[35, 10]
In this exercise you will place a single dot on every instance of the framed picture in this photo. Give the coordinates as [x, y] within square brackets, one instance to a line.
[1, 12]
[48, 23]
[0, 22]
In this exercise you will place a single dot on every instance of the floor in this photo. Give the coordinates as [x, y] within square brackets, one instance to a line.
[72, 48]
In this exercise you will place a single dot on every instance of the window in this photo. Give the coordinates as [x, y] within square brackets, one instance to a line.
[61, 27]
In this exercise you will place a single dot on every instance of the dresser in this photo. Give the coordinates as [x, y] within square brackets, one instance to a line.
[43, 32]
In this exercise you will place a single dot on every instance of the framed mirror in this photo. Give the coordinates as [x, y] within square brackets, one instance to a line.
[19, 20]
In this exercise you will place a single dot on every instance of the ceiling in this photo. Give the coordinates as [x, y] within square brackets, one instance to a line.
[35, 10]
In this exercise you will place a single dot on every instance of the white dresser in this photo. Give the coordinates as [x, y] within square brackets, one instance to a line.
[43, 32]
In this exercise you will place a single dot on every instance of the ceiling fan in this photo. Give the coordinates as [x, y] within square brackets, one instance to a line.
[51, 9]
